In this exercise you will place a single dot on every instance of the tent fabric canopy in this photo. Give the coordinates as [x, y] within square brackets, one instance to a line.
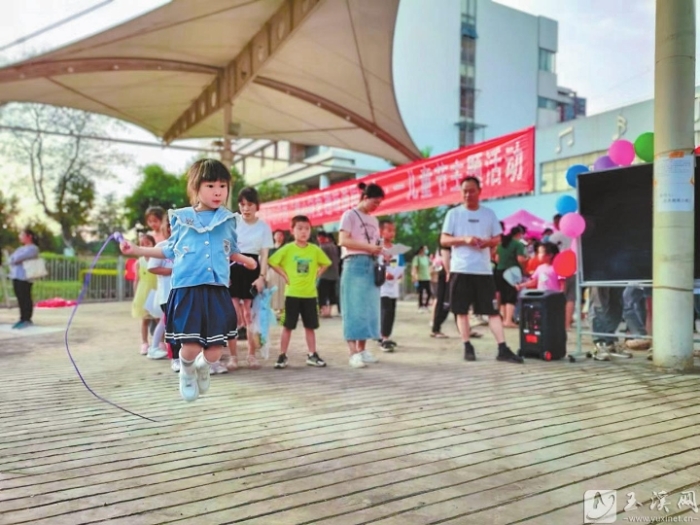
[535, 226]
[305, 71]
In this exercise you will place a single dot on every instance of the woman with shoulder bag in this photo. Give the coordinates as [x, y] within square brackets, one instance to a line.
[362, 274]
[20, 282]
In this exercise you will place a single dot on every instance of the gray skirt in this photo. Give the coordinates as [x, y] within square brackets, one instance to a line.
[359, 299]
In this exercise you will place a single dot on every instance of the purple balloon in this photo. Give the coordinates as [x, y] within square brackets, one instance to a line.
[603, 163]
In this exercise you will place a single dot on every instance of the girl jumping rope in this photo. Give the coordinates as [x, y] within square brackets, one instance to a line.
[200, 314]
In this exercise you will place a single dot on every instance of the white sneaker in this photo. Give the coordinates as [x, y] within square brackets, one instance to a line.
[367, 357]
[218, 368]
[356, 361]
[175, 365]
[203, 373]
[156, 353]
[189, 390]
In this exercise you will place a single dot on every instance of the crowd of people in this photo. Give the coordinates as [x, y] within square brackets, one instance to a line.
[210, 264]
[199, 270]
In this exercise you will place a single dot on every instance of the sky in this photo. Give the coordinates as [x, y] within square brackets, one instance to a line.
[606, 51]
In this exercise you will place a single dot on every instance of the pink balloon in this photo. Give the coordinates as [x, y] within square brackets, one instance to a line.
[621, 152]
[572, 225]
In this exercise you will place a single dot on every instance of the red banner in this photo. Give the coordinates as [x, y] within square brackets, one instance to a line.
[504, 165]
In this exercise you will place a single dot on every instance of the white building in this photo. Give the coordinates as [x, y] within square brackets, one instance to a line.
[580, 141]
[468, 71]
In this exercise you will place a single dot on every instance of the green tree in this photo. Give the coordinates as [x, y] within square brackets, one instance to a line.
[8, 228]
[46, 239]
[62, 169]
[157, 188]
[271, 190]
[420, 228]
[109, 217]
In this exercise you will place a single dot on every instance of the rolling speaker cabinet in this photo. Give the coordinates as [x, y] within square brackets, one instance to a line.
[542, 328]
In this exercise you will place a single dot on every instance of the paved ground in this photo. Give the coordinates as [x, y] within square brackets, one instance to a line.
[421, 438]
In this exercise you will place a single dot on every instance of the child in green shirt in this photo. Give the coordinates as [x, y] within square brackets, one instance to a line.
[300, 263]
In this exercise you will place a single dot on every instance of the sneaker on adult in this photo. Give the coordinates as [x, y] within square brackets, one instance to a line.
[387, 346]
[638, 344]
[189, 389]
[356, 361]
[315, 360]
[506, 355]
[619, 351]
[217, 368]
[202, 367]
[175, 365]
[281, 361]
[602, 351]
[469, 353]
[367, 357]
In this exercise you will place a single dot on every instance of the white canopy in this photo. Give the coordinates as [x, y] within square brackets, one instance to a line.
[305, 71]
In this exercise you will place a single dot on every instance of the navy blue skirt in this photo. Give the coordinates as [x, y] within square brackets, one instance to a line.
[203, 315]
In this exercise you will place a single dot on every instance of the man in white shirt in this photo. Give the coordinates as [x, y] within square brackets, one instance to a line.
[471, 231]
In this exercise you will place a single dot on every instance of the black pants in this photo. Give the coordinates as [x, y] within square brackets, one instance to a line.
[23, 293]
[424, 286]
[442, 302]
[388, 315]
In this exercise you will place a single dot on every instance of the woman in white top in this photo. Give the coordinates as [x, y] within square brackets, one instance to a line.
[359, 296]
[255, 240]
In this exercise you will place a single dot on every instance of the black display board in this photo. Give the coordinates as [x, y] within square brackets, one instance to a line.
[617, 206]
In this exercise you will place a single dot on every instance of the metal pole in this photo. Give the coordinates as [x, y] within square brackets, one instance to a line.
[674, 162]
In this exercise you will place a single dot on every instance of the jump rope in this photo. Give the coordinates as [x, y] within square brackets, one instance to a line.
[118, 238]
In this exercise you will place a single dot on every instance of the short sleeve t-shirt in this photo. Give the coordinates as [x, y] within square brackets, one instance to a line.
[253, 238]
[301, 266]
[508, 256]
[422, 265]
[392, 287]
[560, 240]
[461, 222]
[359, 226]
[163, 288]
[547, 278]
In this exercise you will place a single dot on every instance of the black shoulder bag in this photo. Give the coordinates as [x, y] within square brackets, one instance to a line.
[379, 269]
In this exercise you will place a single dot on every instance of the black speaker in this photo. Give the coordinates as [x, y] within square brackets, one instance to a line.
[542, 327]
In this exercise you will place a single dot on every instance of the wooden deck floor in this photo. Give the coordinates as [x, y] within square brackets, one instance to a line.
[420, 438]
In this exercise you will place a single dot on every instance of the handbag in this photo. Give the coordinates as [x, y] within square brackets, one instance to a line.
[379, 268]
[35, 269]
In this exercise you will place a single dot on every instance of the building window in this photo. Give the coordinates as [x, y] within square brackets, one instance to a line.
[546, 103]
[553, 173]
[547, 61]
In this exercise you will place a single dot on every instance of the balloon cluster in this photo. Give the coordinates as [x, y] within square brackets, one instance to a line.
[621, 153]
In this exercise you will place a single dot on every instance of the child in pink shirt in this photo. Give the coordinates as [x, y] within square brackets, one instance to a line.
[544, 277]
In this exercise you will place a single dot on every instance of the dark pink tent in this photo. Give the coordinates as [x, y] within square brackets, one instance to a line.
[535, 226]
